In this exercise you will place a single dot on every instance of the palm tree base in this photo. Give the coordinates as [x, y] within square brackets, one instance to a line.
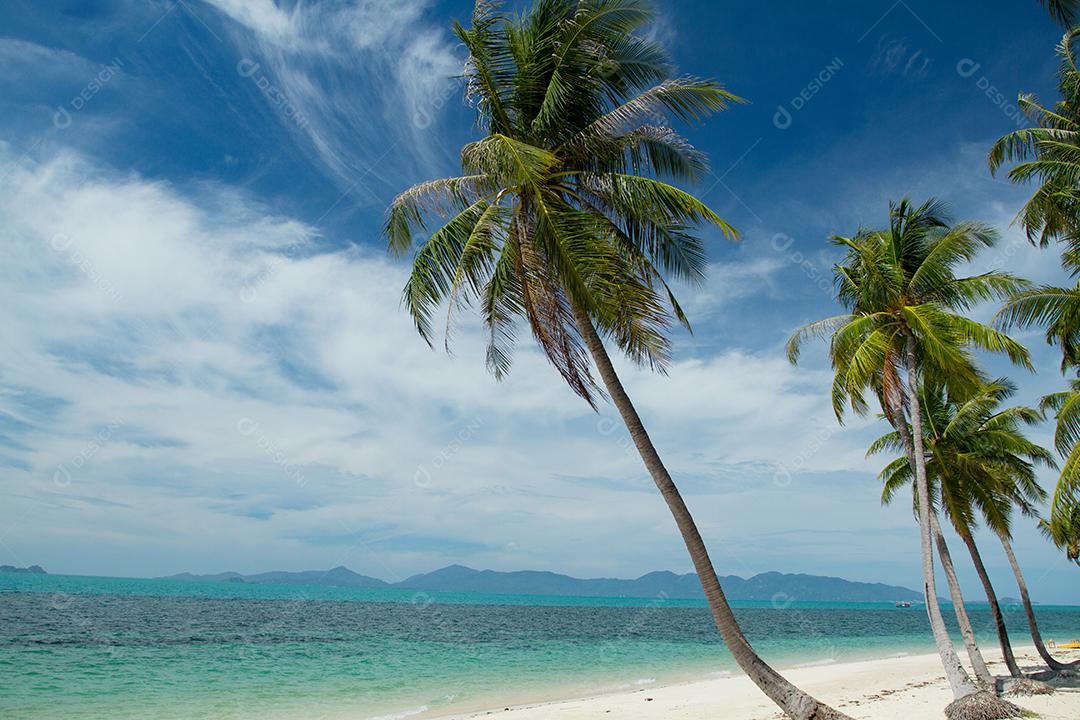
[983, 706]
[1025, 687]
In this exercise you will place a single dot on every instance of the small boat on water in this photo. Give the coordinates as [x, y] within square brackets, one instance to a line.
[903, 603]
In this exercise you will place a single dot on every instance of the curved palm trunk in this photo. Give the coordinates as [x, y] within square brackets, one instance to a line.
[978, 664]
[793, 701]
[958, 678]
[995, 607]
[1036, 636]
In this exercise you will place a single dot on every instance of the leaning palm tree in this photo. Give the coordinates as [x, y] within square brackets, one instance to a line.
[565, 219]
[1049, 154]
[898, 473]
[979, 464]
[904, 328]
[1029, 611]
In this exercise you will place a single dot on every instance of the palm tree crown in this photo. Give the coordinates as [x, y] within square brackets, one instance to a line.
[899, 284]
[1049, 154]
[566, 205]
[979, 462]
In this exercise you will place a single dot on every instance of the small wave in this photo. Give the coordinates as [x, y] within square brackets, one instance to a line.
[816, 663]
[644, 681]
[402, 715]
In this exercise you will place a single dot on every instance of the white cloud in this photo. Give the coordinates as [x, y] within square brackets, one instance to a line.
[731, 281]
[262, 16]
[15, 52]
[227, 386]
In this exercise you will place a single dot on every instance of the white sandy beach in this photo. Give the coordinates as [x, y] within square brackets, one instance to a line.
[898, 688]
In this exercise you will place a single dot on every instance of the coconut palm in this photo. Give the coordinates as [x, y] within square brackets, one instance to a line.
[900, 471]
[565, 220]
[903, 328]
[1049, 154]
[1029, 611]
[979, 465]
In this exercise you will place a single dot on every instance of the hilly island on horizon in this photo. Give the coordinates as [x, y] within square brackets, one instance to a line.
[767, 586]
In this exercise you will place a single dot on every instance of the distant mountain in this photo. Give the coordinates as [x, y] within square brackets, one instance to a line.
[458, 578]
[769, 587]
[338, 577]
[33, 569]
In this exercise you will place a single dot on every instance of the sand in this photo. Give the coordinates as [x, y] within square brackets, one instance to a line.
[897, 688]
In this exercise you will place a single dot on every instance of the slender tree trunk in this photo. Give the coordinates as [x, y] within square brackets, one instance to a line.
[1036, 636]
[978, 664]
[995, 607]
[793, 701]
[958, 678]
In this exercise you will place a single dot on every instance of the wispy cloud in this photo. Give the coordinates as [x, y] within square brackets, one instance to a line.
[363, 78]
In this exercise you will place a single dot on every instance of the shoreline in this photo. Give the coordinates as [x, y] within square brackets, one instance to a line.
[889, 688]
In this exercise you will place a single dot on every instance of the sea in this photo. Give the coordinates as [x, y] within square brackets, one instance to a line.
[95, 647]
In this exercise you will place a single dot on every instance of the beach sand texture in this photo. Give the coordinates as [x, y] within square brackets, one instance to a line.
[899, 688]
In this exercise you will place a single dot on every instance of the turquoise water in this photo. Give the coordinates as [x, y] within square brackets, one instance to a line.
[82, 647]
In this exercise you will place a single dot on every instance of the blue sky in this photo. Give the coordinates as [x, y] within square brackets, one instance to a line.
[207, 368]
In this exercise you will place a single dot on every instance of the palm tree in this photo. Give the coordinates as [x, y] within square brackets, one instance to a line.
[904, 328]
[1050, 155]
[1064, 11]
[565, 218]
[979, 464]
[1029, 611]
[901, 469]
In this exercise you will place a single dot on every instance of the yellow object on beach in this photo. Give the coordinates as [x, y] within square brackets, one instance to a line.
[1070, 646]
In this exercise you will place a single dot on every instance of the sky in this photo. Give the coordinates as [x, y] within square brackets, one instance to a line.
[206, 365]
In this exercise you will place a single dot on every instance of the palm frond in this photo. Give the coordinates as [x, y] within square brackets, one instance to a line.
[563, 210]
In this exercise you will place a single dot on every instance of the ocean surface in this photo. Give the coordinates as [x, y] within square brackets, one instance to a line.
[87, 647]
